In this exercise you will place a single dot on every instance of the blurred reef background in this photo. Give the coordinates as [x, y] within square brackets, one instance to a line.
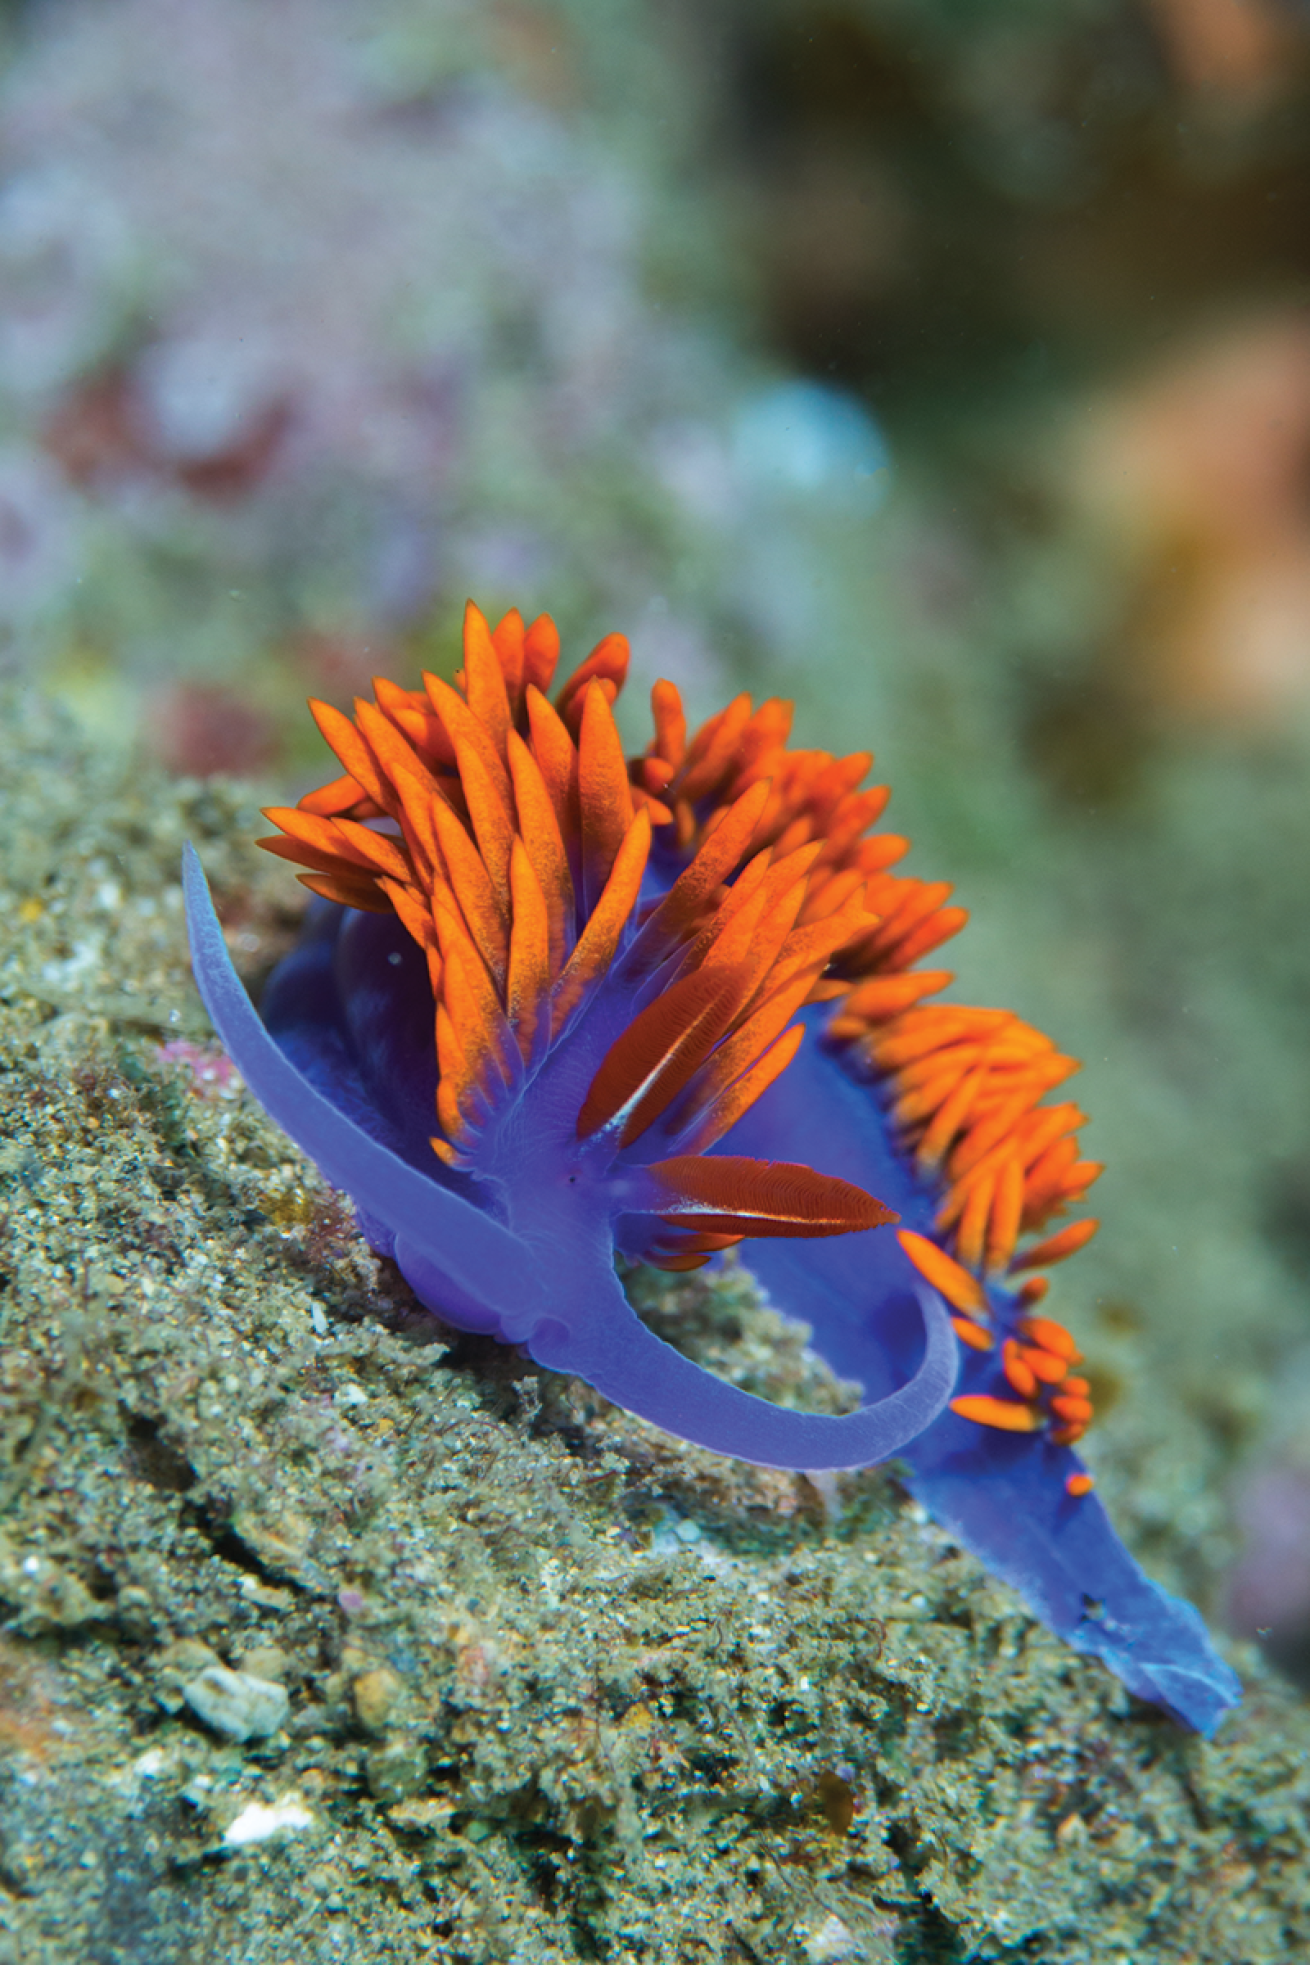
[944, 367]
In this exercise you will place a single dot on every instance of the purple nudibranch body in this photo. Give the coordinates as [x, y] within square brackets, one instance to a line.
[552, 1006]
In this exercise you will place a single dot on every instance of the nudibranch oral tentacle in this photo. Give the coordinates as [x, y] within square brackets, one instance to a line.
[467, 1243]
[597, 1004]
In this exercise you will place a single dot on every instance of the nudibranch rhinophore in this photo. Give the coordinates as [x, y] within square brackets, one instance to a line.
[553, 1003]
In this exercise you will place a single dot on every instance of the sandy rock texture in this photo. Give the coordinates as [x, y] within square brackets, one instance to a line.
[328, 1633]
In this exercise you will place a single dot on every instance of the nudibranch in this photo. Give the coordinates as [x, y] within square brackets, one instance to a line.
[553, 1004]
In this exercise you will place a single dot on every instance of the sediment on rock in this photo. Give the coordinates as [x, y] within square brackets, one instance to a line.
[523, 1677]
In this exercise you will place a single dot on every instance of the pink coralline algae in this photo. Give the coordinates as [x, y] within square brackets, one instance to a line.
[213, 1075]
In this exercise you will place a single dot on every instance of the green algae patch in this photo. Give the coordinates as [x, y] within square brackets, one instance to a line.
[328, 1632]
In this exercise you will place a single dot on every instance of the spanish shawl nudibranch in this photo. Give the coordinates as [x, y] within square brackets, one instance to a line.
[623, 988]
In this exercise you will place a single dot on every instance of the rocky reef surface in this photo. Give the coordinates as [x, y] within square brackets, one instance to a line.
[326, 1632]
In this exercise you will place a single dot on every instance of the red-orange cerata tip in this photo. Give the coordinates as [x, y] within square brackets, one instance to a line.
[961, 1290]
[1006, 1414]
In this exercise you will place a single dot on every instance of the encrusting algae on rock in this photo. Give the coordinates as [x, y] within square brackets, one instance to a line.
[586, 970]
[559, 1686]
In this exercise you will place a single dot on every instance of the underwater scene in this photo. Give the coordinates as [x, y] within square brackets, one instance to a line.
[654, 982]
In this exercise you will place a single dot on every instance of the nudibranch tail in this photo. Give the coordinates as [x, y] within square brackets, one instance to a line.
[653, 1004]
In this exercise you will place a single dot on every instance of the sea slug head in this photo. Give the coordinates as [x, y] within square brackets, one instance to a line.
[506, 993]
[591, 1041]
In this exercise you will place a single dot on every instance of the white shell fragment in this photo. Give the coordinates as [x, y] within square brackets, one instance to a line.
[237, 1704]
[259, 1821]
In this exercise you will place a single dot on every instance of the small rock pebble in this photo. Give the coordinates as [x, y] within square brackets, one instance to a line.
[374, 1694]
